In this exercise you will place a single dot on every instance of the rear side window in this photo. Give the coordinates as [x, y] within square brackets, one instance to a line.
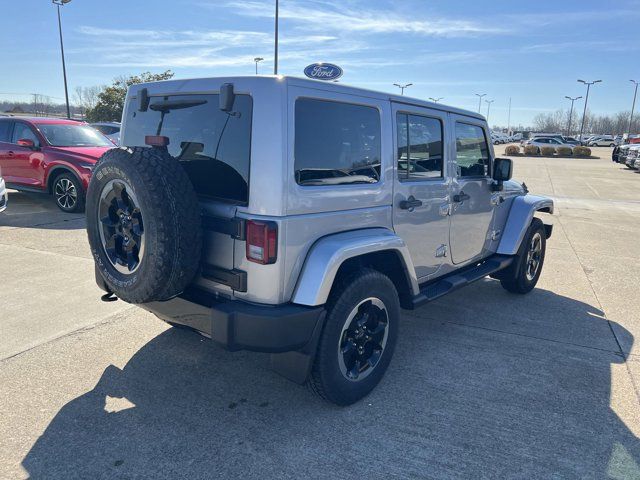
[419, 147]
[213, 146]
[5, 131]
[472, 151]
[22, 131]
[336, 143]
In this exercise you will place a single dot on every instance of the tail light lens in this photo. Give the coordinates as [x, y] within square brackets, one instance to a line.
[262, 242]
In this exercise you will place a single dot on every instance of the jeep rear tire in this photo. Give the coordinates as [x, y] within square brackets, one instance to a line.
[524, 273]
[358, 339]
[143, 224]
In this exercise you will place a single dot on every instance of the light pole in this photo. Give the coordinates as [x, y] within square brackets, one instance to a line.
[489, 102]
[275, 63]
[480, 100]
[586, 100]
[402, 87]
[436, 100]
[633, 106]
[257, 60]
[59, 3]
[571, 112]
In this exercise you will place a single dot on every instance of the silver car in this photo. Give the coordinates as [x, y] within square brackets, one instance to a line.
[298, 217]
[633, 153]
[111, 130]
[548, 142]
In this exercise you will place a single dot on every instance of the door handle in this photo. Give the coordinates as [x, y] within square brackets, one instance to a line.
[410, 203]
[9, 153]
[461, 197]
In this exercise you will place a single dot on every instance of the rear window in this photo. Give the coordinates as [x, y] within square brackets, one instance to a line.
[336, 143]
[213, 146]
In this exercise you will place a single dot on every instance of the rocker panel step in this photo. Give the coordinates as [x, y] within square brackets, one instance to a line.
[438, 288]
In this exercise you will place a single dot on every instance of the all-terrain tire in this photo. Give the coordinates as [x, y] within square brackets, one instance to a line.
[326, 378]
[516, 278]
[171, 221]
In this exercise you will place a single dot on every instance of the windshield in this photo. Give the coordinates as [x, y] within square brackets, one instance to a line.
[67, 135]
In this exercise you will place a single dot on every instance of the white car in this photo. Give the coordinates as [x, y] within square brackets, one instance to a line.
[606, 141]
[548, 142]
[3, 196]
[111, 130]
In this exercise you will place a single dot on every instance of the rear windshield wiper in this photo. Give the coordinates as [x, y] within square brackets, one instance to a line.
[169, 105]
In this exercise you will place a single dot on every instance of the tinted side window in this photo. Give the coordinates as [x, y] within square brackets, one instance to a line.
[213, 147]
[472, 151]
[336, 143]
[22, 131]
[5, 131]
[419, 147]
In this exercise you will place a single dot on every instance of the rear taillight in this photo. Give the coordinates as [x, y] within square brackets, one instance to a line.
[262, 242]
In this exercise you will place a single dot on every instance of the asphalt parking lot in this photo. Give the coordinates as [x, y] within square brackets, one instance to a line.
[484, 384]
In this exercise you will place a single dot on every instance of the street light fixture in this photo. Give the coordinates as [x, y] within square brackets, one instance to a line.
[489, 102]
[402, 87]
[586, 100]
[480, 100]
[60, 3]
[436, 100]
[257, 60]
[633, 106]
[571, 112]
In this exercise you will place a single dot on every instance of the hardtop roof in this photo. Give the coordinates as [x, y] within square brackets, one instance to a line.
[201, 85]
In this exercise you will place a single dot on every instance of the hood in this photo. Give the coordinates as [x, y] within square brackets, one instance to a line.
[87, 154]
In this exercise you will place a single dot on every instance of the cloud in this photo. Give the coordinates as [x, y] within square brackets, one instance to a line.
[335, 16]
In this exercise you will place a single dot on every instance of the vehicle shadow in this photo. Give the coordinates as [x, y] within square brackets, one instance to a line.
[38, 210]
[457, 401]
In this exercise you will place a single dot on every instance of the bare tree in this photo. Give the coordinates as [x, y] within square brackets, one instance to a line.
[87, 97]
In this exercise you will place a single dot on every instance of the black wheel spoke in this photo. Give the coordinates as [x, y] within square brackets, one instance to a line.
[121, 226]
[363, 339]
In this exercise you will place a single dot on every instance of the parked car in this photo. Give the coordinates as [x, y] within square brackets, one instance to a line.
[632, 156]
[303, 226]
[548, 142]
[602, 141]
[50, 155]
[4, 198]
[111, 130]
[623, 150]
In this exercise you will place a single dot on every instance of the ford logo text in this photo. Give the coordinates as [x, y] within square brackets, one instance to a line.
[323, 71]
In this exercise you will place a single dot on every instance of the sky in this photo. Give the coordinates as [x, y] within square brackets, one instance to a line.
[531, 52]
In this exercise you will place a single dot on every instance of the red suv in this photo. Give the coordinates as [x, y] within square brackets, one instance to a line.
[50, 155]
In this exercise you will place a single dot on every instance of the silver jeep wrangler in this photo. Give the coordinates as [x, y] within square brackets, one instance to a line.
[297, 217]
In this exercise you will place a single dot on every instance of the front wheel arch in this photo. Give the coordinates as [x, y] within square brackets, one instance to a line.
[55, 172]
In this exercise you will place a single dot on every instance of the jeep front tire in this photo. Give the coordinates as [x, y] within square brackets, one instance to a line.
[358, 339]
[523, 274]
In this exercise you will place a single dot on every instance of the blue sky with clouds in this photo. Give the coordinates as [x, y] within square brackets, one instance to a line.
[530, 51]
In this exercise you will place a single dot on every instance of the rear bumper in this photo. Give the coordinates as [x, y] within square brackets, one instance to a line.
[238, 325]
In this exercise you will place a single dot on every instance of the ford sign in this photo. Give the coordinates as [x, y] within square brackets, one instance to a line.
[323, 71]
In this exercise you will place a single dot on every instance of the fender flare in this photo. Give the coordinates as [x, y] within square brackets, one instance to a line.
[53, 171]
[520, 215]
[329, 253]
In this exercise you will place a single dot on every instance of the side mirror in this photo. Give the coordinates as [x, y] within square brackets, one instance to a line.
[227, 97]
[26, 142]
[502, 170]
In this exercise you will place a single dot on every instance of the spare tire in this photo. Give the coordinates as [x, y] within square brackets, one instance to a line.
[143, 224]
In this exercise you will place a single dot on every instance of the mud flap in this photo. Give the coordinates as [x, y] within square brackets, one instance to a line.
[296, 365]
